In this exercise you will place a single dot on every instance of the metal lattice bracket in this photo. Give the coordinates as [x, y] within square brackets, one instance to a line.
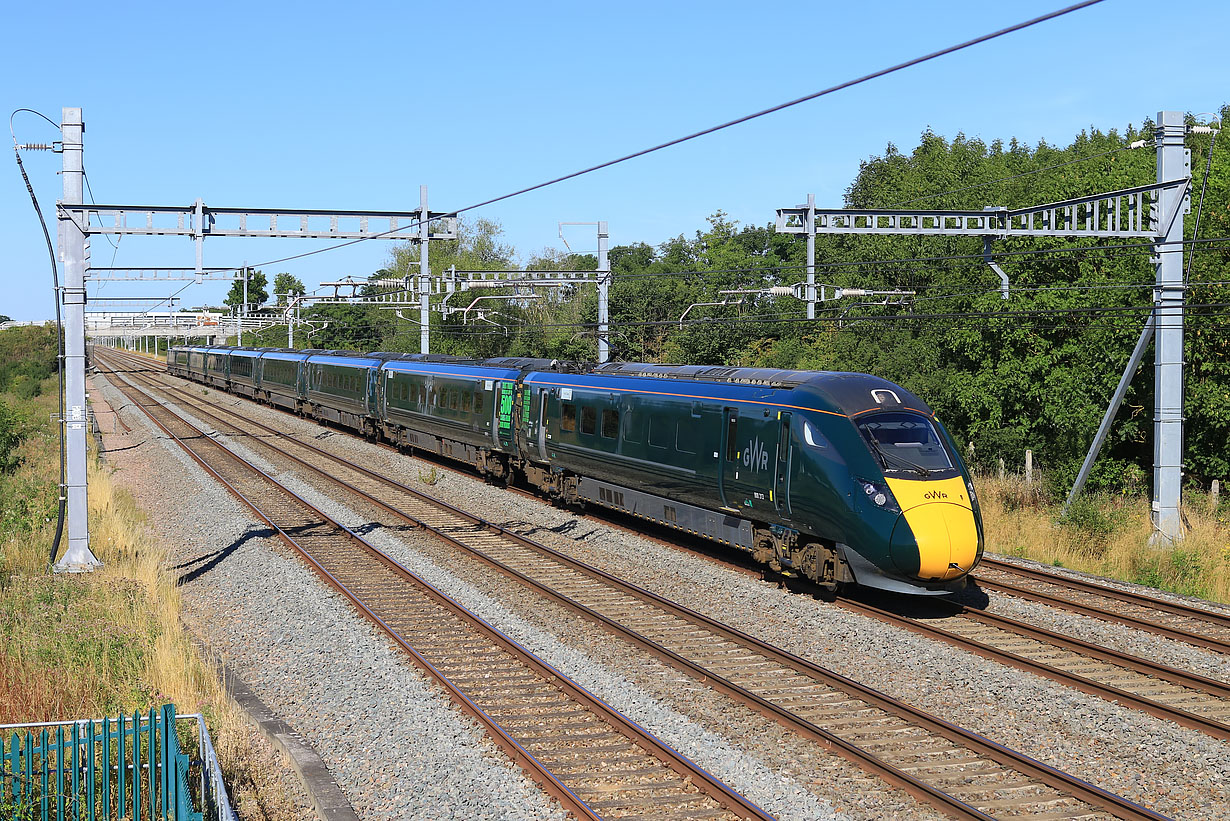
[203, 221]
[162, 274]
[1131, 212]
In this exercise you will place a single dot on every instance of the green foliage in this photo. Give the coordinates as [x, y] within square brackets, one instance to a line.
[1096, 518]
[1032, 372]
[12, 431]
[284, 287]
[257, 293]
[28, 355]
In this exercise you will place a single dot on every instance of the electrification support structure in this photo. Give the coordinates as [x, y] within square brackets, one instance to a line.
[1153, 212]
[424, 274]
[77, 222]
[74, 250]
[604, 294]
[1173, 161]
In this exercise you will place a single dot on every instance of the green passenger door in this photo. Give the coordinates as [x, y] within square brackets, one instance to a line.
[507, 394]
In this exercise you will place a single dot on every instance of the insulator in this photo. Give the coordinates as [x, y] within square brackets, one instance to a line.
[36, 147]
[781, 290]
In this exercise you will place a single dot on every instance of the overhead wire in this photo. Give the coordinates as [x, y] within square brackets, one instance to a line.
[55, 282]
[705, 131]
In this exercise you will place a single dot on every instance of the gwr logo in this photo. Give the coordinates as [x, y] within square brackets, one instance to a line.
[755, 456]
[935, 494]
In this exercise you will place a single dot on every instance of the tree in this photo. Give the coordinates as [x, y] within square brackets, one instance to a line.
[284, 287]
[256, 291]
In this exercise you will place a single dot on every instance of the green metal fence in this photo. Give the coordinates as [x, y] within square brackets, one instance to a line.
[111, 768]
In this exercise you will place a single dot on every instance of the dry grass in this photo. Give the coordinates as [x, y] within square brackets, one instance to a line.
[1110, 536]
[112, 641]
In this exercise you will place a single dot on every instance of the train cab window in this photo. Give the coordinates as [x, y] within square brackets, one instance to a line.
[568, 416]
[589, 420]
[812, 437]
[905, 443]
[610, 423]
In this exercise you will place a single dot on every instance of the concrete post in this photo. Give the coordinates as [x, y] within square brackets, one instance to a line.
[424, 274]
[604, 292]
[1029, 467]
[1173, 163]
[78, 557]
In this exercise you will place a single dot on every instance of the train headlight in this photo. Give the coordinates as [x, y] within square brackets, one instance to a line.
[879, 495]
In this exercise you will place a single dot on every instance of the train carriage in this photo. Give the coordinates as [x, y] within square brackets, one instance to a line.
[242, 370]
[177, 361]
[280, 378]
[196, 363]
[217, 360]
[340, 386]
[451, 408]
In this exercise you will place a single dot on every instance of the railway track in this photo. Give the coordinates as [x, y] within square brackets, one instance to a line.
[958, 771]
[595, 761]
[1188, 699]
[1194, 625]
[1198, 626]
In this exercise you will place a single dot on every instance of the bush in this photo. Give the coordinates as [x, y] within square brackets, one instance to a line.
[1095, 516]
[12, 430]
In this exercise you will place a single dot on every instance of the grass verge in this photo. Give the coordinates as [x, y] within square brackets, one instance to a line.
[89, 645]
[1110, 536]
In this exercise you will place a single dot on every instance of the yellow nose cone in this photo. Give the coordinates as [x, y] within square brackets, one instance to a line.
[941, 519]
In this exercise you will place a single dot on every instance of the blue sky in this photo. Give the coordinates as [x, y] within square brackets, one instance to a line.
[315, 105]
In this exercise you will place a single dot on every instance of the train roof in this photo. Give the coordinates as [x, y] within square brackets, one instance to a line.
[768, 377]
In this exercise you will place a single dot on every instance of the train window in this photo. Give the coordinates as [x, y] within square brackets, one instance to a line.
[610, 423]
[633, 426]
[589, 420]
[661, 432]
[465, 401]
[905, 443]
[454, 401]
[685, 438]
[732, 436]
[478, 403]
[431, 398]
[813, 437]
[423, 395]
[568, 416]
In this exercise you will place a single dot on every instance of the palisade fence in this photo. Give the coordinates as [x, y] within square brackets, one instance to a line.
[111, 768]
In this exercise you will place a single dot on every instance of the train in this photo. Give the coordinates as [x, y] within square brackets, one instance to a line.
[841, 478]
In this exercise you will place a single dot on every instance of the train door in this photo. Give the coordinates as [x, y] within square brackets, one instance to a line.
[748, 467]
[785, 453]
[505, 412]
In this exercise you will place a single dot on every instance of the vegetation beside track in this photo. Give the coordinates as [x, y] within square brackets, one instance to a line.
[1110, 536]
[102, 643]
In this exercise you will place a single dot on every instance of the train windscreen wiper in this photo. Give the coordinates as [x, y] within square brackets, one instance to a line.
[917, 468]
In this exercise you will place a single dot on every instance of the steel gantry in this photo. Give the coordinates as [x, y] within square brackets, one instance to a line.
[1153, 211]
[77, 222]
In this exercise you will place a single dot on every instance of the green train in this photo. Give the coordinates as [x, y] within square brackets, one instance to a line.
[842, 478]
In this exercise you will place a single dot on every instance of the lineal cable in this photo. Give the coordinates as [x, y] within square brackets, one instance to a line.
[712, 129]
[55, 282]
